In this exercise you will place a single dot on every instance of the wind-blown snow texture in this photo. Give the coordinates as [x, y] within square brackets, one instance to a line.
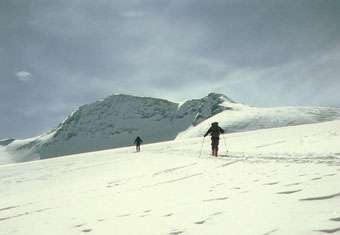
[116, 121]
[275, 181]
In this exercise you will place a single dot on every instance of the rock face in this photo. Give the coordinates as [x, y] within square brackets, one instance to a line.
[6, 141]
[116, 121]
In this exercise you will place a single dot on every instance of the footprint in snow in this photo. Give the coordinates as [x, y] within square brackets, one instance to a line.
[168, 215]
[331, 174]
[334, 230]
[200, 222]
[290, 192]
[320, 198]
[177, 232]
[335, 219]
[273, 183]
[8, 208]
[125, 215]
[146, 213]
[293, 184]
[215, 199]
[270, 232]
[217, 213]
[317, 178]
[79, 225]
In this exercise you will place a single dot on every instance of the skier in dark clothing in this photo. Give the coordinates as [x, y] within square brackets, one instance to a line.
[138, 141]
[215, 132]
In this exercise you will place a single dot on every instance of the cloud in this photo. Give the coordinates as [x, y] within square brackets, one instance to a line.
[24, 76]
[133, 14]
[255, 52]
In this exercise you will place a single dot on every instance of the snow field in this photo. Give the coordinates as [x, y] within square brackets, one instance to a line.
[275, 181]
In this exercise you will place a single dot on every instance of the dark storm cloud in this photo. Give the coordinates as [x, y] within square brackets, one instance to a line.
[70, 53]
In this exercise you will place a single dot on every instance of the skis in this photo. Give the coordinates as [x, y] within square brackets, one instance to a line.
[220, 155]
[224, 155]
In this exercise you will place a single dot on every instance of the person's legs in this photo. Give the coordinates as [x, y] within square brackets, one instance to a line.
[214, 145]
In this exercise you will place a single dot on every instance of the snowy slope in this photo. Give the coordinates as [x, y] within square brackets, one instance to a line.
[275, 181]
[114, 122]
[240, 118]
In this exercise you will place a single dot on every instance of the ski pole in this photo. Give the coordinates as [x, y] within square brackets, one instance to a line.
[226, 149]
[202, 147]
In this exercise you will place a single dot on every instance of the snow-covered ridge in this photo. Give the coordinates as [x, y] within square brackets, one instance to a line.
[245, 118]
[116, 120]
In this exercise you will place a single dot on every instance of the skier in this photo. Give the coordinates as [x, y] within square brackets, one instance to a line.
[215, 132]
[138, 141]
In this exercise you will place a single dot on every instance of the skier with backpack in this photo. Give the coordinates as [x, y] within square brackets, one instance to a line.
[215, 132]
[138, 141]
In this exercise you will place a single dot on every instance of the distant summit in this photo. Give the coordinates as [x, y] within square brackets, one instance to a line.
[116, 121]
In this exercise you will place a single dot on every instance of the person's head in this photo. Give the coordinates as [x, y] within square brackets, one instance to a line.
[214, 123]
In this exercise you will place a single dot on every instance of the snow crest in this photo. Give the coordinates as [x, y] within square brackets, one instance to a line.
[116, 120]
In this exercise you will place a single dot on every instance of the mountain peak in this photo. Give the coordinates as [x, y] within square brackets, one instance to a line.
[117, 119]
[216, 96]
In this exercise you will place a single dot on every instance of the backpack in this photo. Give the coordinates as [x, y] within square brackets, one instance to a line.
[215, 130]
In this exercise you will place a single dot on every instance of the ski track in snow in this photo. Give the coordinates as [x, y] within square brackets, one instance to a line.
[168, 189]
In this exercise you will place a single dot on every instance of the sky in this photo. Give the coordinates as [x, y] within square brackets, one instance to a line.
[58, 55]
